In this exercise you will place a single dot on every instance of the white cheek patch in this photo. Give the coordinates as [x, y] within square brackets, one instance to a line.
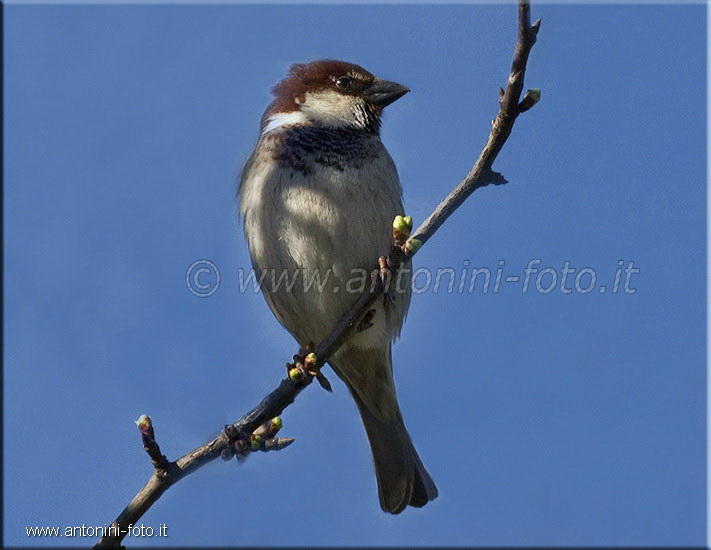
[330, 108]
[284, 119]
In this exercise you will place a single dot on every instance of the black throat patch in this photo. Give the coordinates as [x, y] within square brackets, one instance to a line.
[302, 147]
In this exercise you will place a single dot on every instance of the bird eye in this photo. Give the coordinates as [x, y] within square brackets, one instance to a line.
[343, 82]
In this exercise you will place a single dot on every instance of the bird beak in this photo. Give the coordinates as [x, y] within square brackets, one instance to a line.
[383, 92]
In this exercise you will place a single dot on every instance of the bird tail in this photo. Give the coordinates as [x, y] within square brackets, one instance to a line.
[402, 478]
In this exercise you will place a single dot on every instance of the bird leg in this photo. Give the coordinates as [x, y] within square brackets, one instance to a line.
[402, 226]
[385, 274]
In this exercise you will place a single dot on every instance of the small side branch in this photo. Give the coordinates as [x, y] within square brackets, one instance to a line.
[238, 438]
[481, 173]
[145, 426]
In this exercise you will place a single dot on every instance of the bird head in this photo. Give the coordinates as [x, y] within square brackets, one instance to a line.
[332, 94]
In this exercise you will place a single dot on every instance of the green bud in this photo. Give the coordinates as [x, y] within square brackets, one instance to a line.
[143, 422]
[412, 246]
[261, 430]
[408, 222]
[310, 360]
[145, 426]
[530, 98]
[277, 422]
[256, 442]
[295, 374]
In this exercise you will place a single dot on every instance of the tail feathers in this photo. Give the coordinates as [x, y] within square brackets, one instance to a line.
[402, 478]
[424, 488]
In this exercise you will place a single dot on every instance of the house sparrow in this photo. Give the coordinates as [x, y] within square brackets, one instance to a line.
[318, 196]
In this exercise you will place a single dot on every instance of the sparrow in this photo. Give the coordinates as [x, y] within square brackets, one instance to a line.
[318, 196]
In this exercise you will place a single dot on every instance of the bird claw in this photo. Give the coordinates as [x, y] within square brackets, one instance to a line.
[385, 275]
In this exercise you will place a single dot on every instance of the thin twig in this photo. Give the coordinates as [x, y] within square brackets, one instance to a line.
[481, 175]
[145, 426]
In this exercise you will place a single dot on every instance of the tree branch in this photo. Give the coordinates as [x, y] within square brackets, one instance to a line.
[228, 442]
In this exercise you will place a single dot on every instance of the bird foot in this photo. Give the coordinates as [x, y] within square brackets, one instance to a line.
[305, 367]
[386, 275]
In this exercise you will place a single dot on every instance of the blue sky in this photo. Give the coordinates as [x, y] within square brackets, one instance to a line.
[545, 419]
